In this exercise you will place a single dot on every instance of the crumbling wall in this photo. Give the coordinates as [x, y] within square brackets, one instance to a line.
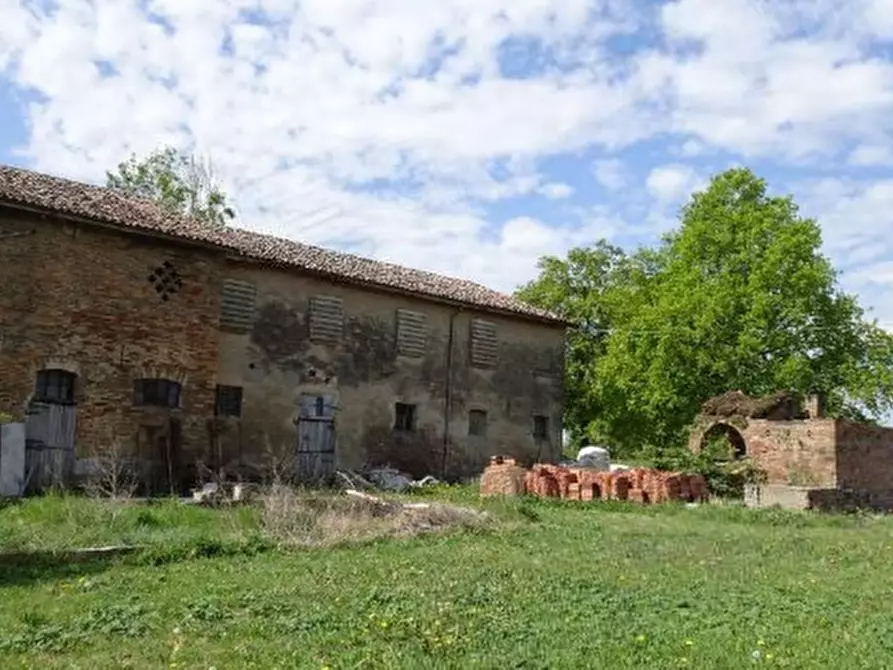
[864, 457]
[798, 453]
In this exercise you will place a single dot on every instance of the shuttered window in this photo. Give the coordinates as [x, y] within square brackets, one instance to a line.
[484, 346]
[412, 333]
[326, 318]
[237, 306]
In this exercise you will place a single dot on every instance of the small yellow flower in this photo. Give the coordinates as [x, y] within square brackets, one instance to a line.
[770, 656]
[688, 643]
[640, 638]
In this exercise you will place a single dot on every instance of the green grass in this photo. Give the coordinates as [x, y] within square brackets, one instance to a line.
[561, 585]
[56, 522]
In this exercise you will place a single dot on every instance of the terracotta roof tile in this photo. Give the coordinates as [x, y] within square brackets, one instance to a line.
[48, 193]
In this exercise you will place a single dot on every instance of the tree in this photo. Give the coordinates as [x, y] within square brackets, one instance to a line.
[179, 182]
[739, 297]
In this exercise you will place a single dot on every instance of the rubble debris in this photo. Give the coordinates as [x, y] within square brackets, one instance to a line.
[642, 485]
[778, 406]
[382, 479]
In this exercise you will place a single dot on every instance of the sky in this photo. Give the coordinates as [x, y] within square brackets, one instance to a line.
[471, 137]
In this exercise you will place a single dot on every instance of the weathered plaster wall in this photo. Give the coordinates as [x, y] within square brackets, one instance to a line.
[276, 362]
[82, 301]
[864, 457]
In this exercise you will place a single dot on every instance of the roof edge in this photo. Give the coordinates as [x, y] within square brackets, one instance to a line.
[231, 254]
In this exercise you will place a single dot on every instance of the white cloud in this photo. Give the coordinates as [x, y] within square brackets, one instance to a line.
[672, 183]
[389, 127]
[610, 173]
[556, 190]
[871, 155]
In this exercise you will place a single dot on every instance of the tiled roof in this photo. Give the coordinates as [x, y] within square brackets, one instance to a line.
[103, 205]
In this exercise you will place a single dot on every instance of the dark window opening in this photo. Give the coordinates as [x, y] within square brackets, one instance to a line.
[228, 401]
[166, 280]
[320, 406]
[477, 423]
[156, 393]
[405, 417]
[55, 386]
[540, 428]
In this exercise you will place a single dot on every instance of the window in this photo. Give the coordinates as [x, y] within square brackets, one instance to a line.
[412, 333]
[229, 401]
[326, 318]
[156, 393]
[540, 428]
[166, 280]
[477, 423]
[237, 305]
[405, 417]
[55, 386]
[484, 345]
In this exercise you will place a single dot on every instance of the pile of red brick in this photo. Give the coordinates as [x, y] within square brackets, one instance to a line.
[641, 485]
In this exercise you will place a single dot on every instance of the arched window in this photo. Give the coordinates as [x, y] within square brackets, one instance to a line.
[55, 387]
[156, 393]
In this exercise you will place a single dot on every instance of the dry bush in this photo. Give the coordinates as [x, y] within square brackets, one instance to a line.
[112, 473]
[297, 518]
[279, 464]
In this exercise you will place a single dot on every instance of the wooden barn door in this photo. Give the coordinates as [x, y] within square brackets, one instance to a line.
[316, 439]
[50, 430]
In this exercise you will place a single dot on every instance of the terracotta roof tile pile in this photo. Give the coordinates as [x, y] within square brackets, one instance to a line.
[641, 485]
[103, 205]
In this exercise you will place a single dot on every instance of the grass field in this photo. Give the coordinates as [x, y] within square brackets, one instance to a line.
[554, 585]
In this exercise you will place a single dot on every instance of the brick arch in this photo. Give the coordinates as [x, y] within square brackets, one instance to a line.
[732, 434]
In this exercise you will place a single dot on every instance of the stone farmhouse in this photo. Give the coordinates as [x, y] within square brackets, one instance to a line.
[181, 345]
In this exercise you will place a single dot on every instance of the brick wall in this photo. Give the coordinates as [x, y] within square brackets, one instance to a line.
[864, 457]
[800, 453]
[83, 302]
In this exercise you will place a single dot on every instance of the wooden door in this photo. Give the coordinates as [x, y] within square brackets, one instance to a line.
[316, 439]
[50, 431]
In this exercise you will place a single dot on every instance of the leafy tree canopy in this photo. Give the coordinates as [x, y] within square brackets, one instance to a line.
[739, 297]
[178, 182]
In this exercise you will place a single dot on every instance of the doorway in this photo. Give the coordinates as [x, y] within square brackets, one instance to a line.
[316, 439]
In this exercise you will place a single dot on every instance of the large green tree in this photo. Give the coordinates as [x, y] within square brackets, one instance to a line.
[179, 182]
[738, 297]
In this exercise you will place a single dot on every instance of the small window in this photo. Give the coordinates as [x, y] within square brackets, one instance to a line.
[405, 417]
[477, 423]
[55, 386]
[156, 393]
[540, 428]
[229, 401]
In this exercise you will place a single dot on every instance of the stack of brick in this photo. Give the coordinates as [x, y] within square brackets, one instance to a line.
[641, 485]
[503, 477]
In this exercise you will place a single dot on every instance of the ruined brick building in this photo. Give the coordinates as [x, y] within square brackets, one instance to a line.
[184, 343]
[809, 459]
